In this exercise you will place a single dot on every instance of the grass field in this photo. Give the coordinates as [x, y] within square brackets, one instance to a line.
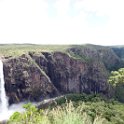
[19, 49]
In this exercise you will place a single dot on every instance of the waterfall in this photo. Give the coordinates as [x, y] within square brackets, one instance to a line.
[3, 97]
[6, 112]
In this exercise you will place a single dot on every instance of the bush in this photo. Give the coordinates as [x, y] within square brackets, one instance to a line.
[116, 79]
[84, 113]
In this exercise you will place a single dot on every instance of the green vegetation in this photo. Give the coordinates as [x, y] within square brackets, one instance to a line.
[117, 77]
[74, 108]
[93, 110]
[86, 52]
[79, 57]
[117, 80]
[19, 49]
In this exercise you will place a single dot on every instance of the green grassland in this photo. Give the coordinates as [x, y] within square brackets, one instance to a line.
[19, 49]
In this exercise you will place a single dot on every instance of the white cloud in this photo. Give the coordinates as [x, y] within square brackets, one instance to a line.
[21, 19]
[62, 7]
[112, 32]
[28, 21]
[101, 7]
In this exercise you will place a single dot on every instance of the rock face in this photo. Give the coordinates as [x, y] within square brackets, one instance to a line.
[24, 80]
[105, 55]
[73, 75]
[36, 76]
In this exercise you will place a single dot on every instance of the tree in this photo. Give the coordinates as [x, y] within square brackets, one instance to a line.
[117, 80]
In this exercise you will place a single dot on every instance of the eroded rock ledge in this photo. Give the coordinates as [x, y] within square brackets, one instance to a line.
[36, 76]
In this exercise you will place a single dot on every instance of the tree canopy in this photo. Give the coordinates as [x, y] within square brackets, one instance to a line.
[117, 80]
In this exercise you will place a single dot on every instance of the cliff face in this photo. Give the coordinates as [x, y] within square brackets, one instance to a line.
[24, 80]
[105, 55]
[36, 76]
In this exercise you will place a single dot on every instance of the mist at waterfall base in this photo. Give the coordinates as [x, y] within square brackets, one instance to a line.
[5, 110]
[5, 115]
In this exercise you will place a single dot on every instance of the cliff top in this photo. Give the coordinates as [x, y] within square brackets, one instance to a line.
[19, 49]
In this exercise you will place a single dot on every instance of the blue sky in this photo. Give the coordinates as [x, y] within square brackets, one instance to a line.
[62, 21]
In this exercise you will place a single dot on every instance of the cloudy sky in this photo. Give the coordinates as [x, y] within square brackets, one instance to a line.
[62, 21]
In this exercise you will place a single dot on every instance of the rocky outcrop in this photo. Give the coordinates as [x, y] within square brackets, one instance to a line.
[24, 80]
[63, 71]
[94, 53]
[36, 76]
[119, 51]
[73, 75]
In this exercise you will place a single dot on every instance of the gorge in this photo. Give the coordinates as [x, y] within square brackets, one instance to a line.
[38, 75]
